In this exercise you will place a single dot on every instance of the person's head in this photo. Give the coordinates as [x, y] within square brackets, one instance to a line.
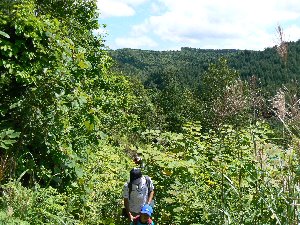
[137, 159]
[135, 173]
[145, 213]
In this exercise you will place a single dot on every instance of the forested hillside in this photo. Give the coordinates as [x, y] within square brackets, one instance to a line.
[219, 148]
[272, 70]
[188, 64]
[181, 78]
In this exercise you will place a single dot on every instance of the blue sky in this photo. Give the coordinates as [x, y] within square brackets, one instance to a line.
[213, 24]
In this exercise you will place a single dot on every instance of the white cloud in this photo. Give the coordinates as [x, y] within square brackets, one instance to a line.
[292, 33]
[156, 8]
[135, 42]
[110, 8]
[243, 24]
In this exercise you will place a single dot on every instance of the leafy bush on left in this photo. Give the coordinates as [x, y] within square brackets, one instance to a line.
[35, 206]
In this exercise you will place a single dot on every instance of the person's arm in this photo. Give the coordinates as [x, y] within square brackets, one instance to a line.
[126, 204]
[150, 197]
[126, 201]
[151, 189]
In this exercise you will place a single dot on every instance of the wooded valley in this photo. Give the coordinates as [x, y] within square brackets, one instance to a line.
[218, 129]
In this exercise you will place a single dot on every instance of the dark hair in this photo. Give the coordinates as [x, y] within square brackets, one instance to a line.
[135, 173]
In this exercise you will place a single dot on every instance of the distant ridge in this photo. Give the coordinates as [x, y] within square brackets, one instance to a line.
[188, 64]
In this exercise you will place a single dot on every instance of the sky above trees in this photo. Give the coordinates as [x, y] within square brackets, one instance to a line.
[216, 24]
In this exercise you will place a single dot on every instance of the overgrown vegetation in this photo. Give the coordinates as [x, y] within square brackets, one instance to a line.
[217, 148]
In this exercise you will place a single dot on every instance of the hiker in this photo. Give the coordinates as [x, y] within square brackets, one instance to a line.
[138, 160]
[138, 192]
[144, 217]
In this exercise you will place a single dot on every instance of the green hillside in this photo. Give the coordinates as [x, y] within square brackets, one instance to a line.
[188, 64]
[219, 147]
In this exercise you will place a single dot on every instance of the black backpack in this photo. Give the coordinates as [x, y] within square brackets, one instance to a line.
[147, 183]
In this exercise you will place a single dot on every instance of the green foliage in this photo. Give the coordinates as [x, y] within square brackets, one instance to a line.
[232, 102]
[94, 199]
[55, 89]
[8, 138]
[188, 64]
[67, 122]
[225, 177]
[5, 219]
[216, 79]
[57, 95]
[74, 16]
[39, 206]
[191, 64]
[105, 174]
[176, 103]
[224, 96]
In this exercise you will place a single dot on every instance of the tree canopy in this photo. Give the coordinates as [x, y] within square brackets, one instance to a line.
[220, 148]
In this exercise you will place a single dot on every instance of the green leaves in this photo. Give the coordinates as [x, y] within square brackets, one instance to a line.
[4, 34]
[38, 205]
[8, 138]
[218, 177]
[73, 118]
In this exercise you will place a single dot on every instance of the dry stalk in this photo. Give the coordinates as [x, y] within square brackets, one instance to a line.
[278, 105]
[282, 47]
[3, 166]
[232, 102]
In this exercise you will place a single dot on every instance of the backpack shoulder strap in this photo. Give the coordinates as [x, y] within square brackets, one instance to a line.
[130, 189]
[147, 182]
